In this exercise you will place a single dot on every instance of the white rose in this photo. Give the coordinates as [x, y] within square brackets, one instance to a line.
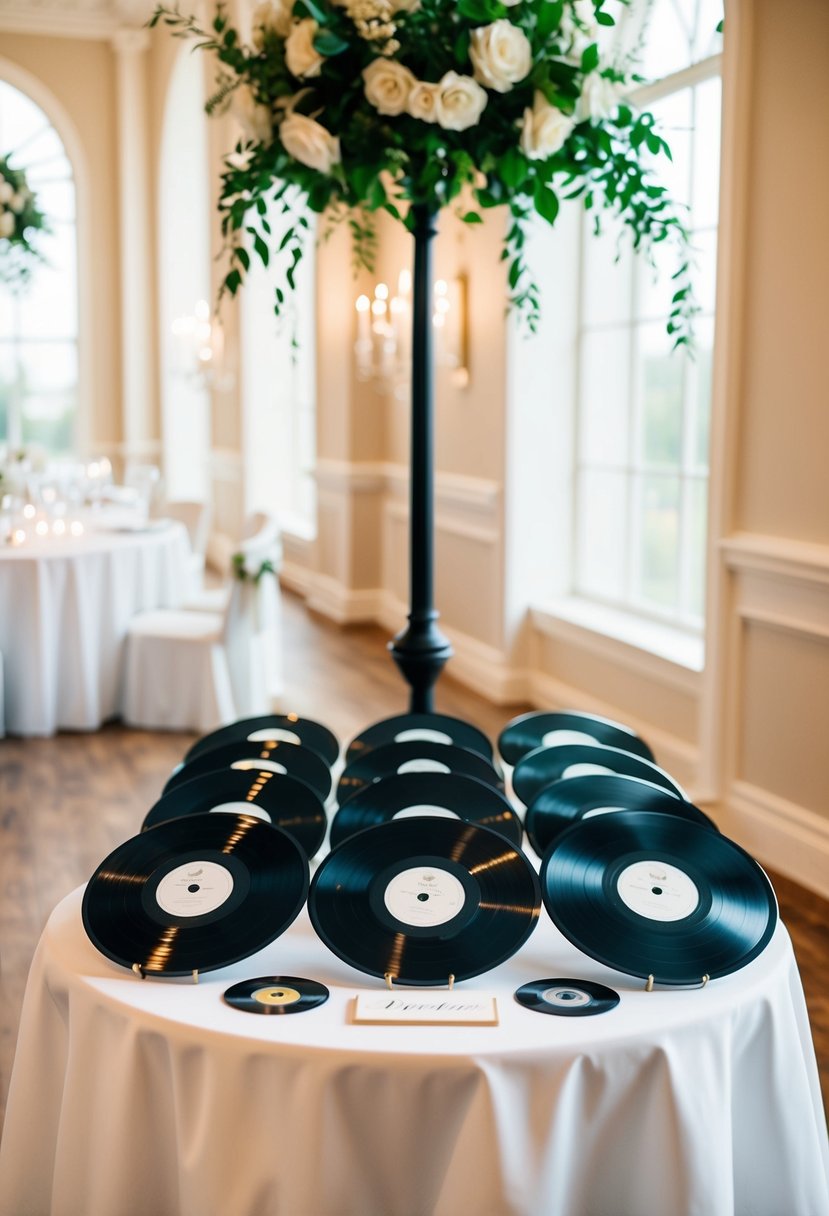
[6, 223]
[309, 142]
[255, 119]
[579, 27]
[461, 102]
[271, 17]
[599, 97]
[388, 85]
[501, 55]
[423, 101]
[545, 129]
[300, 54]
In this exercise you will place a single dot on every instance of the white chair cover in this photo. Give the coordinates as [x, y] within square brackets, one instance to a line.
[2, 710]
[196, 518]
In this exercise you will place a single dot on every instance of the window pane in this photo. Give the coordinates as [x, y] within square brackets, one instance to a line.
[705, 269]
[604, 396]
[657, 544]
[666, 47]
[706, 166]
[607, 280]
[674, 117]
[600, 543]
[698, 523]
[659, 388]
[702, 393]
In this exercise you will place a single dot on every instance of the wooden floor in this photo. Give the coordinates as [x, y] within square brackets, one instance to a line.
[66, 802]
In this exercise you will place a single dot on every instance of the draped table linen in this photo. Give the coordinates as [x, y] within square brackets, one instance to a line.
[155, 1098]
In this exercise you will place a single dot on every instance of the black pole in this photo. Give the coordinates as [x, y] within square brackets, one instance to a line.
[421, 650]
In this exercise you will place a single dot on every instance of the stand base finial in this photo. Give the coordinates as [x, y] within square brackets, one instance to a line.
[420, 652]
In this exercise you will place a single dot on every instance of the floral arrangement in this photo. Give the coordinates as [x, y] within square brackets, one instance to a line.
[19, 218]
[370, 105]
[247, 571]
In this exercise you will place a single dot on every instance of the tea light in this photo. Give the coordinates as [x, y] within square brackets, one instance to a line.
[42, 527]
[59, 527]
[18, 536]
[76, 527]
[29, 511]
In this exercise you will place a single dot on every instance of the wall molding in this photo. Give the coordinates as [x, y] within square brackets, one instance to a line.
[779, 557]
[96, 21]
[782, 834]
[780, 583]
[343, 605]
[347, 477]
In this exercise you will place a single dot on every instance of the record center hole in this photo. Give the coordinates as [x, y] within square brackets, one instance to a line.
[423, 896]
[194, 886]
[656, 890]
[567, 996]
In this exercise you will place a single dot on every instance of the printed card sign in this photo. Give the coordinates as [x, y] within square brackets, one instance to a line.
[411, 1008]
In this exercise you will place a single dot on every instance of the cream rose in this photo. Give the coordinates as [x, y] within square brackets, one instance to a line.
[599, 97]
[460, 103]
[6, 224]
[501, 55]
[388, 85]
[301, 56]
[271, 17]
[6, 190]
[309, 142]
[409, 6]
[255, 119]
[423, 101]
[544, 130]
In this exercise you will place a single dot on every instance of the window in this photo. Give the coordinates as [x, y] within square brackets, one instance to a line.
[641, 442]
[39, 324]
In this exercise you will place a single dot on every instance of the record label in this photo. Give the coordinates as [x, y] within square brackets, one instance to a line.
[415, 812]
[657, 890]
[270, 766]
[424, 897]
[567, 998]
[423, 735]
[423, 765]
[558, 738]
[276, 733]
[240, 808]
[194, 889]
[276, 996]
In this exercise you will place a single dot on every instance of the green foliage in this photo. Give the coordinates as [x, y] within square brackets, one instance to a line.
[563, 130]
[20, 221]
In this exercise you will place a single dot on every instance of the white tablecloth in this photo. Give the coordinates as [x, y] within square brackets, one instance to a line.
[154, 1098]
[65, 604]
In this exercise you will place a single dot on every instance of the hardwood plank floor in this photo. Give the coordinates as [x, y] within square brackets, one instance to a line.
[68, 801]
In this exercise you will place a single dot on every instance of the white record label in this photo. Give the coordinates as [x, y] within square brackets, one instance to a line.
[555, 738]
[658, 891]
[240, 808]
[422, 734]
[194, 889]
[434, 812]
[585, 770]
[566, 997]
[424, 897]
[601, 810]
[273, 732]
[422, 764]
[270, 765]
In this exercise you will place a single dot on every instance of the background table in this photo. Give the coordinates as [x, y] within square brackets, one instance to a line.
[154, 1098]
[65, 604]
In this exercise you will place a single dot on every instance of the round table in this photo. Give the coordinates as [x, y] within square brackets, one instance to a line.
[155, 1098]
[65, 604]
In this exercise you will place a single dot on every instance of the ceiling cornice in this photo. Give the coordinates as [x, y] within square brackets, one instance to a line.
[97, 19]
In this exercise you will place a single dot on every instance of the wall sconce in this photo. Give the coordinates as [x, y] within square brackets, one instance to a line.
[198, 345]
[383, 349]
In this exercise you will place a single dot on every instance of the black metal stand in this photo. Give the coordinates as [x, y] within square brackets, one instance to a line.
[421, 650]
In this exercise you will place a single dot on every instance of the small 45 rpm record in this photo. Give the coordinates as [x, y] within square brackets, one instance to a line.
[280, 757]
[392, 903]
[276, 994]
[538, 729]
[195, 894]
[654, 895]
[567, 998]
[288, 728]
[548, 764]
[284, 801]
[416, 756]
[560, 805]
[437, 728]
[433, 795]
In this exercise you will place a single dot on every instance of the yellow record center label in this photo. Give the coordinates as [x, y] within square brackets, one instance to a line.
[276, 996]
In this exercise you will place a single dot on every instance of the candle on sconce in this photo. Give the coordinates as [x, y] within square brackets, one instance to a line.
[42, 527]
[19, 536]
[29, 511]
[59, 527]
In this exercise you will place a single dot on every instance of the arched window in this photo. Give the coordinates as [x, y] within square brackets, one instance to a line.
[641, 442]
[39, 324]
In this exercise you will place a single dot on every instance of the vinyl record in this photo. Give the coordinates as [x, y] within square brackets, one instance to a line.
[284, 801]
[560, 805]
[545, 765]
[447, 795]
[525, 734]
[437, 728]
[459, 902]
[289, 728]
[276, 994]
[195, 894]
[567, 998]
[280, 757]
[651, 894]
[416, 756]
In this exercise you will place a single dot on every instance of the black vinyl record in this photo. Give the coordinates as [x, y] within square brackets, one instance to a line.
[276, 994]
[426, 794]
[195, 894]
[653, 895]
[284, 801]
[294, 759]
[289, 728]
[418, 755]
[437, 728]
[389, 903]
[529, 731]
[545, 765]
[560, 805]
[567, 998]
